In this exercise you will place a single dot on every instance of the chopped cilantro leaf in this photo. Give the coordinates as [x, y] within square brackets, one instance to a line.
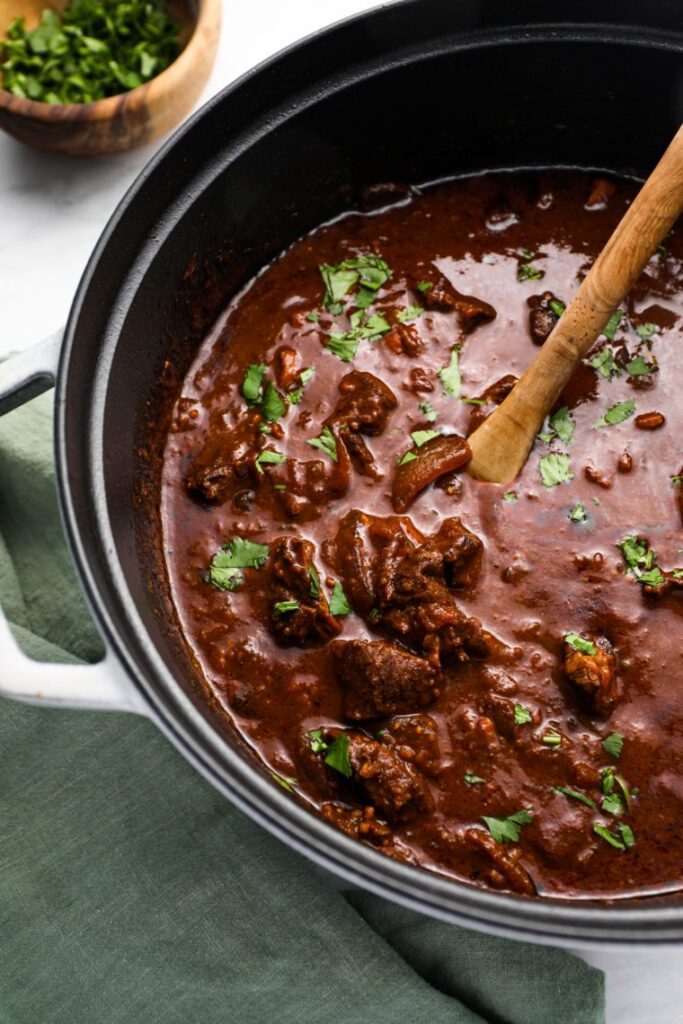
[604, 362]
[368, 271]
[607, 779]
[578, 513]
[364, 298]
[408, 457]
[283, 607]
[286, 781]
[273, 406]
[563, 424]
[653, 578]
[266, 457]
[609, 837]
[421, 437]
[325, 442]
[555, 469]
[552, 738]
[579, 643]
[473, 780]
[545, 438]
[253, 382]
[375, 325]
[508, 830]
[409, 313]
[557, 306]
[638, 366]
[424, 286]
[338, 603]
[315, 581]
[473, 401]
[612, 804]
[338, 755]
[676, 480]
[510, 496]
[522, 715]
[575, 795]
[338, 281]
[318, 744]
[313, 317]
[610, 328]
[345, 346]
[637, 554]
[528, 272]
[429, 411]
[613, 745]
[617, 414]
[226, 565]
[646, 331]
[627, 835]
[450, 375]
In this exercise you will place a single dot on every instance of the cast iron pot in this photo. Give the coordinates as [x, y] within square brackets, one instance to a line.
[413, 91]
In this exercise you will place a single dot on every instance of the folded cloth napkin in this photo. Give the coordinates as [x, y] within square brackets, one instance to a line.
[131, 891]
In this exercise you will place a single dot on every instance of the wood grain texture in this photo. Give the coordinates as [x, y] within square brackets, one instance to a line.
[134, 118]
[500, 446]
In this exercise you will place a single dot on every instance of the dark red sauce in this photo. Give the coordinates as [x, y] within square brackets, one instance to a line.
[466, 590]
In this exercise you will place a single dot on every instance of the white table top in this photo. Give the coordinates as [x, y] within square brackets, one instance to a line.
[52, 210]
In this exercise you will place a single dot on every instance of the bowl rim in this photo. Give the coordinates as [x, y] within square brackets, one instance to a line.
[208, 14]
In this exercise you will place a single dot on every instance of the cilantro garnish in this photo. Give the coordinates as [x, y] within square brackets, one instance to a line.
[338, 756]
[269, 458]
[424, 286]
[338, 603]
[368, 271]
[641, 561]
[578, 513]
[450, 375]
[574, 794]
[252, 385]
[284, 607]
[294, 397]
[617, 414]
[409, 313]
[528, 272]
[325, 442]
[315, 581]
[522, 715]
[473, 780]
[619, 842]
[613, 745]
[646, 331]
[273, 407]
[313, 317]
[408, 457]
[612, 804]
[563, 424]
[429, 411]
[227, 564]
[639, 366]
[552, 738]
[286, 781]
[510, 496]
[604, 362]
[421, 437]
[508, 830]
[557, 306]
[610, 328]
[345, 346]
[554, 469]
[318, 744]
[579, 643]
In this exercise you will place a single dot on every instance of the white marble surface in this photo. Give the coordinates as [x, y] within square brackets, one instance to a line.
[51, 213]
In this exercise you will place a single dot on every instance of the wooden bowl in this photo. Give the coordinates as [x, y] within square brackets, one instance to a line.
[131, 119]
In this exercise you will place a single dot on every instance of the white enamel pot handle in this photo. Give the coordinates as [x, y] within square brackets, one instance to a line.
[104, 686]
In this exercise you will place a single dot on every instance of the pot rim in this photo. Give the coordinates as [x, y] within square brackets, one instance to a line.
[541, 920]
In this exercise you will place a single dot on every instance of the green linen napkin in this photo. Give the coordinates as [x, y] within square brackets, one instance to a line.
[131, 891]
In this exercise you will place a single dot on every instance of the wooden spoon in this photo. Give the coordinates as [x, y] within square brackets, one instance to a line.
[501, 444]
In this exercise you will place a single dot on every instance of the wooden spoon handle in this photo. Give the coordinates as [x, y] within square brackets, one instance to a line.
[501, 444]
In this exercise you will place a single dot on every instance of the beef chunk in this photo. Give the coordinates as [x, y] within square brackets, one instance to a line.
[364, 404]
[357, 823]
[365, 549]
[471, 311]
[416, 740]
[360, 455]
[379, 678]
[433, 459]
[504, 870]
[392, 785]
[224, 460]
[453, 554]
[542, 319]
[307, 486]
[489, 399]
[287, 367]
[595, 675]
[293, 578]
[404, 340]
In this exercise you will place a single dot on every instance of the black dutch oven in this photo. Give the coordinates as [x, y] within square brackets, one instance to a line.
[412, 91]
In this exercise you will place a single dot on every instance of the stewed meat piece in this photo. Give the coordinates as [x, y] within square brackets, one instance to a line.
[595, 675]
[379, 678]
[393, 786]
[472, 311]
[300, 614]
[364, 403]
